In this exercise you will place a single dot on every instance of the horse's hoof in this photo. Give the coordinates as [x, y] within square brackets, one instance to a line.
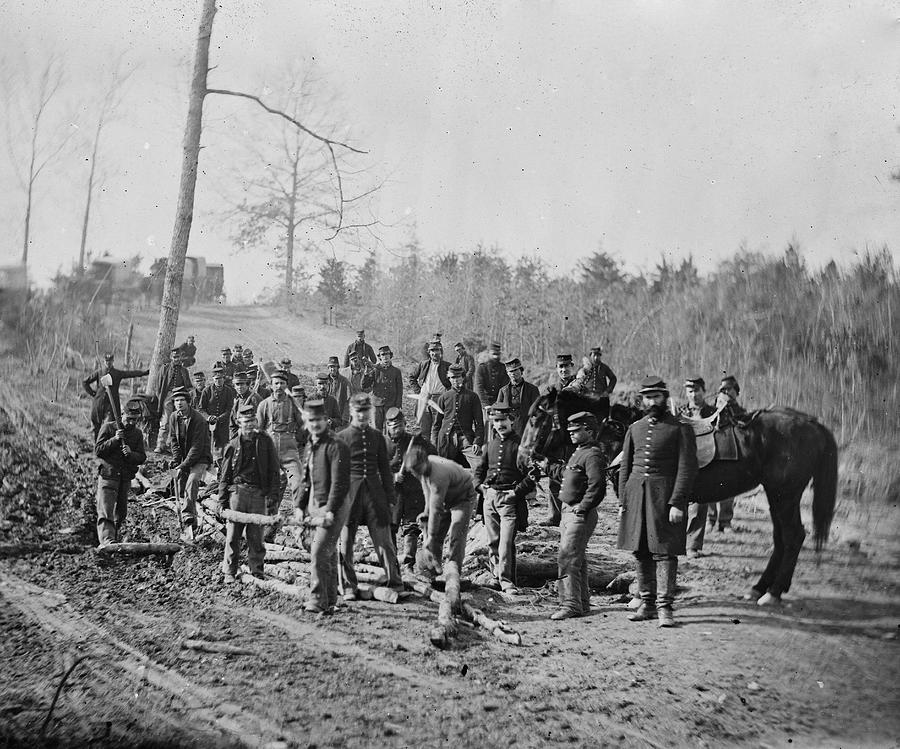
[753, 595]
[768, 599]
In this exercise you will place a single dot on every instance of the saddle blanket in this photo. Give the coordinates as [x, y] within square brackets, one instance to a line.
[714, 444]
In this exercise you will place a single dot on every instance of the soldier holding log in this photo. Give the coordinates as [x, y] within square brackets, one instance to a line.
[326, 480]
[249, 481]
[120, 448]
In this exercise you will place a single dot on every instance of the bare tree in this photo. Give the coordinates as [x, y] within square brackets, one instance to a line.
[168, 315]
[108, 105]
[27, 120]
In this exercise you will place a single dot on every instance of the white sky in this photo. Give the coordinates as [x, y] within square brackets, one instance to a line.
[542, 127]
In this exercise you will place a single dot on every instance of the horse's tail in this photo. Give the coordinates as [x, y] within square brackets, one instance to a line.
[824, 489]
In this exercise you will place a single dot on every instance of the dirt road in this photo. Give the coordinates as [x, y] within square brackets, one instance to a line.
[822, 671]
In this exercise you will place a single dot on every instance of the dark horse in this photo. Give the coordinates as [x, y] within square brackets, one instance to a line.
[780, 448]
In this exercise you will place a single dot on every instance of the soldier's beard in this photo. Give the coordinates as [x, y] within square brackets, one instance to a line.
[658, 411]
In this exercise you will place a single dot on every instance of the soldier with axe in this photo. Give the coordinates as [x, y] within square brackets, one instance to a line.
[107, 393]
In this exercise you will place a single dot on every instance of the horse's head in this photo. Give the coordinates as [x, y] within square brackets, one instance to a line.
[541, 418]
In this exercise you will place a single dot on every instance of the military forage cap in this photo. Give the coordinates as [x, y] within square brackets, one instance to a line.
[360, 333]
[279, 374]
[180, 392]
[494, 347]
[238, 347]
[218, 368]
[298, 390]
[435, 346]
[133, 408]
[199, 375]
[334, 360]
[695, 381]
[322, 377]
[285, 361]
[248, 411]
[564, 358]
[653, 384]
[248, 354]
[498, 412]
[226, 350]
[596, 349]
[582, 419]
[241, 378]
[456, 370]
[361, 402]
[385, 350]
[314, 407]
[394, 414]
[514, 364]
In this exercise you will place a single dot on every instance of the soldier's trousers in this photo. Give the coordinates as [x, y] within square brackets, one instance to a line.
[550, 489]
[323, 572]
[500, 523]
[453, 520]
[575, 529]
[112, 507]
[696, 526]
[721, 513]
[292, 476]
[245, 498]
[162, 438]
[363, 511]
[406, 540]
[189, 488]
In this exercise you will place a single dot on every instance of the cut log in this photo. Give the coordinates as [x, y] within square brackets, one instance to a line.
[367, 577]
[289, 555]
[276, 586]
[451, 586]
[215, 647]
[446, 629]
[139, 549]
[380, 593]
[250, 518]
[497, 629]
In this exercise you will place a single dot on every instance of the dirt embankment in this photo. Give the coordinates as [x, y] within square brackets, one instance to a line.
[821, 671]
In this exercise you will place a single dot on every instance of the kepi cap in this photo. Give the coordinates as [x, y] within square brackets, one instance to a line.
[695, 381]
[248, 410]
[582, 419]
[333, 360]
[564, 358]
[653, 384]
[180, 392]
[385, 350]
[494, 347]
[279, 374]
[322, 377]
[133, 408]
[361, 402]
[314, 407]
[394, 414]
[456, 371]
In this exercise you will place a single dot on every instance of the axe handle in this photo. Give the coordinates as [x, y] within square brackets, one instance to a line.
[112, 405]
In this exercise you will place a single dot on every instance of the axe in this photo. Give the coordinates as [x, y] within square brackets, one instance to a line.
[107, 382]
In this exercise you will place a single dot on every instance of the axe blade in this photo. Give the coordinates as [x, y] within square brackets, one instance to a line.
[106, 380]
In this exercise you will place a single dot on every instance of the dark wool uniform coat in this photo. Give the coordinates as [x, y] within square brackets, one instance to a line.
[387, 390]
[490, 376]
[217, 402]
[326, 473]
[267, 465]
[410, 497]
[370, 473]
[659, 465]
[190, 439]
[462, 414]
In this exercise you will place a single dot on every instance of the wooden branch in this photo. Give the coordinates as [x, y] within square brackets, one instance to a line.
[290, 556]
[496, 628]
[250, 518]
[276, 586]
[215, 647]
[139, 549]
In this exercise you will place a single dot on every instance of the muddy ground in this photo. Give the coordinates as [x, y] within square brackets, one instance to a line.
[820, 671]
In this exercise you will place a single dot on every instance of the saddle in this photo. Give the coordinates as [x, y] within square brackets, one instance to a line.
[714, 442]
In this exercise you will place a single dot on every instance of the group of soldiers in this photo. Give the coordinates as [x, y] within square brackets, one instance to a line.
[348, 458]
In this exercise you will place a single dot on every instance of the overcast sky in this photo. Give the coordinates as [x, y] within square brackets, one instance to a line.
[542, 127]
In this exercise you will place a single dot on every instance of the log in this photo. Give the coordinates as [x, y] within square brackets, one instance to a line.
[497, 629]
[142, 480]
[284, 574]
[367, 577]
[250, 518]
[380, 593]
[276, 586]
[451, 585]
[215, 647]
[369, 569]
[289, 555]
[139, 549]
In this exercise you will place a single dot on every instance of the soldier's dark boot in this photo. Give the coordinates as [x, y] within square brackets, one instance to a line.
[646, 581]
[666, 575]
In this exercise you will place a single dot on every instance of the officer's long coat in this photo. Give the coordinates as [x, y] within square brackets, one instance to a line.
[659, 465]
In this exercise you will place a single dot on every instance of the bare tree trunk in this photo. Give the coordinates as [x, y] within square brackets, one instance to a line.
[90, 194]
[291, 228]
[168, 313]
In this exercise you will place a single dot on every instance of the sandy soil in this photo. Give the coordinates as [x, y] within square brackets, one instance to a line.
[820, 671]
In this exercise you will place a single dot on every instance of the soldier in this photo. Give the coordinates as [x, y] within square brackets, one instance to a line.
[280, 418]
[362, 349]
[458, 422]
[504, 488]
[720, 514]
[173, 376]
[428, 380]
[410, 499]
[387, 389]
[696, 407]
[595, 377]
[227, 365]
[449, 499]
[258, 381]
[490, 376]
[249, 481]
[336, 420]
[100, 410]
[215, 406]
[199, 387]
[339, 388]
[243, 397]
[371, 496]
[565, 372]
[285, 365]
[326, 481]
[517, 395]
[360, 374]
[247, 356]
[191, 455]
[465, 360]
[583, 486]
[120, 448]
[659, 464]
[238, 351]
[298, 393]
[188, 352]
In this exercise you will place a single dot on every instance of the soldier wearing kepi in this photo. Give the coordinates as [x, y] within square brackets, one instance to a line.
[465, 360]
[326, 481]
[659, 465]
[565, 376]
[696, 407]
[285, 365]
[243, 397]
[457, 423]
[595, 378]
[504, 489]
[336, 419]
[490, 376]
[410, 499]
[100, 410]
[215, 406]
[387, 389]
[121, 451]
[280, 418]
[249, 482]
[362, 349]
[191, 455]
[583, 486]
[565, 372]
[173, 376]
[339, 389]
[228, 365]
[197, 390]
[428, 380]
[517, 395]
[371, 496]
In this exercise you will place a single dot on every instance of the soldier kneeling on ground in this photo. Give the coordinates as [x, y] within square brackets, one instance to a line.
[120, 448]
[249, 481]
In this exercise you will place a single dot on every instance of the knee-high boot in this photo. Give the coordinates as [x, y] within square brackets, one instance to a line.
[666, 575]
[646, 581]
